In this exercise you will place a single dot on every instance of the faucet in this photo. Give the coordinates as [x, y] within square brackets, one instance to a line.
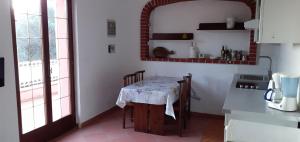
[270, 65]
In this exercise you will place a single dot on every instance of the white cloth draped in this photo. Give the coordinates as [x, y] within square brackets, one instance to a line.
[153, 90]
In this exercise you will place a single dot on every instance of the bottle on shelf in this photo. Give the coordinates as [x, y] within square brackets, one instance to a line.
[194, 50]
[223, 52]
[229, 55]
[226, 54]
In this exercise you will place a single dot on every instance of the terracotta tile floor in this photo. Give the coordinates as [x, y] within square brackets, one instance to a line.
[109, 129]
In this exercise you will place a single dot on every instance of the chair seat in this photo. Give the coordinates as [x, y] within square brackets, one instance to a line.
[129, 104]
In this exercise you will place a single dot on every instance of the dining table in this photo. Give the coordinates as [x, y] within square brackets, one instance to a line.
[153, 98]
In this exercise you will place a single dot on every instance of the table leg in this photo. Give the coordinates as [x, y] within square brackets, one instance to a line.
[156, 119]
[141, 117]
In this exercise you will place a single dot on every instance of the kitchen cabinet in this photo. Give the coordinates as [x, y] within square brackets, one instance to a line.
[279, 21]
[251, 131]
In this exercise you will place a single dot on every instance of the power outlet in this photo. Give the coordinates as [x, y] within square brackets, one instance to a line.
[111, 48]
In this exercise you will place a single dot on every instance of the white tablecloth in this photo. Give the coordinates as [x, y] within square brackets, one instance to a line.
[153, 90]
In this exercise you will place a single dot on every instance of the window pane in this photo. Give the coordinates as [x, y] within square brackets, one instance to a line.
[23, 49]
[59, 53]
[21, 26]
[55, 90]
[27, 120]
[63, 47]
[38, 94]
[26, 98]
[63, 68]
[62, 28]
[57, 8]
[56, 109]
[30, 64]
[34, 7]
[20, 6]
[35, 50]
[65, 106]
[65, 87]
[52, 39]
[34, 26]
[51, 8]
[39, 116]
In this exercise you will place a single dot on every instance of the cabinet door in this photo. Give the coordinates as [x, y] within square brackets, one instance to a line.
[296, 11]
[246, 131]
[276, 21]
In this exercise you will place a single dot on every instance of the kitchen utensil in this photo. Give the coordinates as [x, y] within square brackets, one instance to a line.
[194, 50]
[230, 22]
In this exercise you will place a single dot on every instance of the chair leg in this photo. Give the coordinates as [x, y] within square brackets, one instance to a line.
[124, 117]
[131, 115]
[189, 108]
[180, 126]
[184, 122]
[180, 130]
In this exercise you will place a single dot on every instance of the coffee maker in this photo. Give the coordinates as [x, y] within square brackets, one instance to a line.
[282, 95]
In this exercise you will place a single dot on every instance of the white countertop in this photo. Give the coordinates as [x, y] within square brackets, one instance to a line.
[252, 102]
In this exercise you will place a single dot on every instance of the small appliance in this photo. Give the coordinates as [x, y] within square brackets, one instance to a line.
[283, 94]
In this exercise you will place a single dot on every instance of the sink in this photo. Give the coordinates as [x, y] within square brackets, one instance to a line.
[254, 77]
[257, 82]
[252, 85]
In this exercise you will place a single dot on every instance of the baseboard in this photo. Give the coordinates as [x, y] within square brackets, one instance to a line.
[206, 115]
[109, 111]
[99, 116]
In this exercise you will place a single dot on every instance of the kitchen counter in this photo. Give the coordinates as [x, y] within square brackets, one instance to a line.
[249, 104]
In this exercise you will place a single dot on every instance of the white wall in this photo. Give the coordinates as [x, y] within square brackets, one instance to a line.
[287, 58]
[99, 74]
[165, 19]
[8, 107]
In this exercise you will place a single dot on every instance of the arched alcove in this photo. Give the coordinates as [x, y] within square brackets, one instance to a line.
[145, 37]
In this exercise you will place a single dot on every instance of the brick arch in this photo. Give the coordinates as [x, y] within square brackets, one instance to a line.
[144, 29]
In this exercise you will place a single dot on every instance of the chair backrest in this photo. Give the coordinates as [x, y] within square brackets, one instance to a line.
[189, 84]
[183, 86]
[129, 79]
[139, 75]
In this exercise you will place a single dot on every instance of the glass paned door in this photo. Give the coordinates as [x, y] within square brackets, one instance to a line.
[30, 63]
[43, 49]
[59, 56]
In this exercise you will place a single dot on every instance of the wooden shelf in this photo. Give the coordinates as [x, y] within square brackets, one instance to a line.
[172, 36]
[220, 26]
[201, 60]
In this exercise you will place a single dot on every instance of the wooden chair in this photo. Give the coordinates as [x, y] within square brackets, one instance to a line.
[128, 79]
[139, 75]
[189, 89]
[181, 108]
